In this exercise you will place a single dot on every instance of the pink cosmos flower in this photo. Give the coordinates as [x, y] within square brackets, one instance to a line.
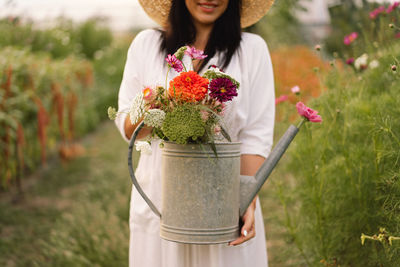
[308, 113]
[374, 13]
[348, 39]
[350, 61]
[397, 36]
[281, 99]
[392, 7]
[174, 63]
[295, 89]
[194, 53]
[217, 129]
[148, 93]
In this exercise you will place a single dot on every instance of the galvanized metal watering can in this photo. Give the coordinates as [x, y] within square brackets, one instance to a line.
[204, 196]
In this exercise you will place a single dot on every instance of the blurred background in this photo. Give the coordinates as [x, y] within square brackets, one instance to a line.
[64, 187]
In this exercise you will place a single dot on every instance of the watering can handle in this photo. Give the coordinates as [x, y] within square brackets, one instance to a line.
[132, 171]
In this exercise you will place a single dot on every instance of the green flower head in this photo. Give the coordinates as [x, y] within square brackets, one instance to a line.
[183, 124]
[112, 113]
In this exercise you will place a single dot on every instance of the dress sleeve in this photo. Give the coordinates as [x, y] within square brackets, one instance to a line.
[130, 84]
[257, 135]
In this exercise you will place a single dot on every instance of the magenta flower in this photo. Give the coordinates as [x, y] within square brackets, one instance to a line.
[375, 13]
[392, 7]
[308, 113]
[222, 89]
[174, 63]
[194, 53]
[350, 61]
[281, 99]
[348, 39]
[397, 35]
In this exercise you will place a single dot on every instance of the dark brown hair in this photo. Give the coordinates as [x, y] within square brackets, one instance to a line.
[225, 36]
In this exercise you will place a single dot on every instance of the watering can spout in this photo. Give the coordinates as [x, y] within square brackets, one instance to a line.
[251, 185]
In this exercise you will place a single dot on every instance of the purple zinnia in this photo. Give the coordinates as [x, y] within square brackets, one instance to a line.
[194, 53]
[222, 89]
[174, 63]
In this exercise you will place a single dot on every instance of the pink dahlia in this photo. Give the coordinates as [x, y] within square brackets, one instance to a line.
[194, 53]
[174, 63]
[308, 113]
[222, 89]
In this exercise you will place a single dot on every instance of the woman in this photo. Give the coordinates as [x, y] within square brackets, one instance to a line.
[215, 27]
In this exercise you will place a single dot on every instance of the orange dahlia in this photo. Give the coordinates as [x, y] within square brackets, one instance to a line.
[189, 87]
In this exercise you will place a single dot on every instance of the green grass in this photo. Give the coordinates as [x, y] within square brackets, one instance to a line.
[76, 213]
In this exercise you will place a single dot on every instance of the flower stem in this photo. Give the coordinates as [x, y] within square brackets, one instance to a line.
[301, 122]
[166, 78]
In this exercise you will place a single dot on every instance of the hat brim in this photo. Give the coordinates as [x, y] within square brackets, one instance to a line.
[252, 10]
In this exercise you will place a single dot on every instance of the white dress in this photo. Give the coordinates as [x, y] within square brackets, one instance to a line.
[250, 120]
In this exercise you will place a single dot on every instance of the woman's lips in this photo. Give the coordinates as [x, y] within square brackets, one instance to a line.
[207, 7]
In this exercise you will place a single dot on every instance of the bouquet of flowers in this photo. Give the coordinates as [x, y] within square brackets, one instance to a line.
[189, 108]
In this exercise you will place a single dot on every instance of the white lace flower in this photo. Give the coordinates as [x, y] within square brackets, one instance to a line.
[143, 146]
[137, 108]
[374, 64]
[216, 70]
[154, 118]
[361, 62]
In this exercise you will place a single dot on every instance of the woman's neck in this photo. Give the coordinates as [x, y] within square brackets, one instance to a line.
[202, 35]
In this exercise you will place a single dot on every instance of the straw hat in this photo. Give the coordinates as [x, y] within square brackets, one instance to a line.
[252, 10]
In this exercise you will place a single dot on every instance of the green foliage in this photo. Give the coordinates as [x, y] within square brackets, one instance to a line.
[93, 38]
[76, 214]
[280, 26]
[183, 124]
[60, 41]
[347, 171]
[347, 17]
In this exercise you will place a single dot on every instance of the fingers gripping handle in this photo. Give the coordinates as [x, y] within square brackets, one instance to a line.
[132, 171]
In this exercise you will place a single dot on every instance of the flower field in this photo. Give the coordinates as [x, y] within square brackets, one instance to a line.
[333, 200]
[50, 97]
[340, 190]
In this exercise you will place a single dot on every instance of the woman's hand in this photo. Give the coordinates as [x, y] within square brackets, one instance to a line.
[249, 165]
[248, 230]
[130, 128]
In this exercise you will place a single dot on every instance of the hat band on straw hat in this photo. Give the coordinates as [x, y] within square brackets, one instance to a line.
[252, 10]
